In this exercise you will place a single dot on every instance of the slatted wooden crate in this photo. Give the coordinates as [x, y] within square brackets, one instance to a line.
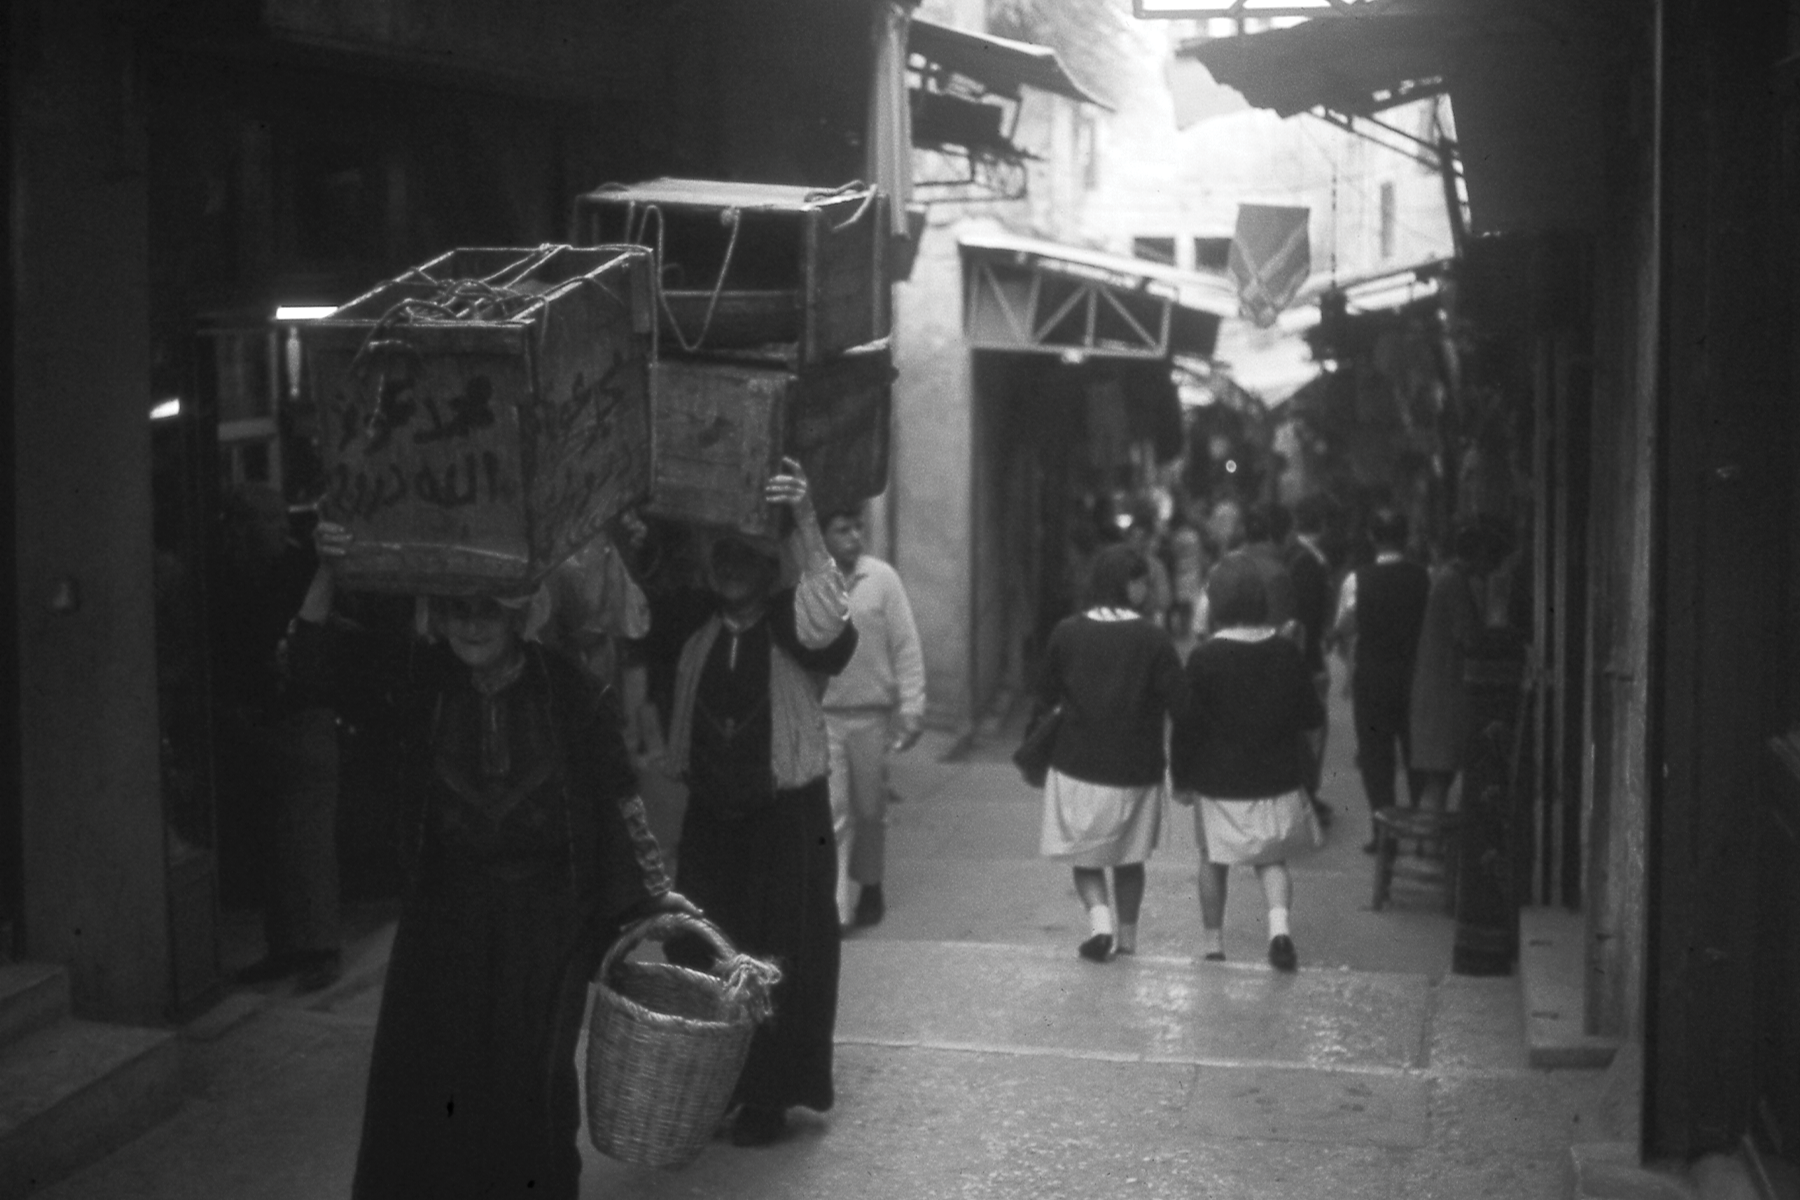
[800, 273]
[723, 426]
[485, 414]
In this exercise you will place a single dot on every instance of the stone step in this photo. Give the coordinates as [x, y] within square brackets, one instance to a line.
[74, 1091]
[32, 995]
[1552, 965]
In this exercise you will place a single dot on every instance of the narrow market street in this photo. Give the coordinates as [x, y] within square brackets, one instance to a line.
[978, 1056]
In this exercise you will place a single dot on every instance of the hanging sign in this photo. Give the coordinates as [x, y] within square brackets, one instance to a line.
[1270, 259]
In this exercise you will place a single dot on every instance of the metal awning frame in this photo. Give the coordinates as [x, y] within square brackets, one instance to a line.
[1090, 296]
[1434, 156]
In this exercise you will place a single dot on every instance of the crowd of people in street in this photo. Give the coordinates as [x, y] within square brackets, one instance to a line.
[769, 678]
[1207, 686]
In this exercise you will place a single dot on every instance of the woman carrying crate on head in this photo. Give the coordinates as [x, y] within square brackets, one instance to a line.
[747, 732]
[527, 850]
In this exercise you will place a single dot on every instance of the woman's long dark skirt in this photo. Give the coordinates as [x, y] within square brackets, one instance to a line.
[472, 1084]
[769, 881]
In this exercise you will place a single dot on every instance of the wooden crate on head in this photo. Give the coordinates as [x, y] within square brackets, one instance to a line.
[795, 273]
[723, 426]
[484, 415]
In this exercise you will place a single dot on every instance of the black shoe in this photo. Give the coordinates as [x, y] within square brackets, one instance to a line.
[757, 1126]
[1214, 956]
[1323, 811]
[1096, 948]
[318, 970]
[870, 907]
[1281, 953]
[1371, 846]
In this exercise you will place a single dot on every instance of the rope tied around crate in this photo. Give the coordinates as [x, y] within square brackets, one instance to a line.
[848, 189]
[452, 300]
[634, 233]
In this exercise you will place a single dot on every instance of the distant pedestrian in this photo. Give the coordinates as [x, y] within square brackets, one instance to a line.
[1381, 608]
[873, 707]
[1455, 611]
[1115, 677]
[1187, 575]
[527, 849]
[1241, 758]
[1262, 529]
[1159, 592]
[747, 734]
[1310, 570]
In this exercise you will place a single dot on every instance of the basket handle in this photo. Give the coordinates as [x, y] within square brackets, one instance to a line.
[660, 928]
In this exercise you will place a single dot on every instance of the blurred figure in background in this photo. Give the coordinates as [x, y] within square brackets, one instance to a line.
[1310, 571]
[1455, 609]
[1381, 608]
[1158, 592]
[1187, 576]
[873, 707]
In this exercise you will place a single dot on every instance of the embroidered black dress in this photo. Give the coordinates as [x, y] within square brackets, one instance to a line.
[527, 850]
[762, 861]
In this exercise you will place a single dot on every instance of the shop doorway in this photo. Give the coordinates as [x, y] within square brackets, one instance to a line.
[1064, 451]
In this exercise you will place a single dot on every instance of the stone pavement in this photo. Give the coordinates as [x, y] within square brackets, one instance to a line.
[979, 1057]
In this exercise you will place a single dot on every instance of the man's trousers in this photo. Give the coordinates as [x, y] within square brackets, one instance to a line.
[858, 740]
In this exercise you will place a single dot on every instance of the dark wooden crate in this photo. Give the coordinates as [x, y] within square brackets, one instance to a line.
[723, 425]
[473, 455]
[806, 279]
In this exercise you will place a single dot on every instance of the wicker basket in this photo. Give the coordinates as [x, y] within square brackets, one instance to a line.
[666, 1044]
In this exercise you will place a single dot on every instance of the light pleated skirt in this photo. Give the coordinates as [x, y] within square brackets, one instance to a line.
[1253, 832]
[1095, 825]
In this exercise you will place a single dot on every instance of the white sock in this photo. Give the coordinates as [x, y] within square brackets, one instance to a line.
[1100, 919]
[1278, 922]
[1212, 941]
[1126, 939]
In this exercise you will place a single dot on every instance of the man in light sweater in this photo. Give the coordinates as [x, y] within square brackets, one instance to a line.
[874, 707]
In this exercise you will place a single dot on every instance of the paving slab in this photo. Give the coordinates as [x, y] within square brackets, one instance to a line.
[937, 1123]
[1476, 1026]
[272, 1111]
[973, 995]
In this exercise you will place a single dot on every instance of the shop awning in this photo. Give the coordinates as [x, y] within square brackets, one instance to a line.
[1038, 296]
[1000, 65]
[1525, 90]
[1354, 65]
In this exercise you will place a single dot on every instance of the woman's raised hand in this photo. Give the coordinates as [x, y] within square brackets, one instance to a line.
[789, 486]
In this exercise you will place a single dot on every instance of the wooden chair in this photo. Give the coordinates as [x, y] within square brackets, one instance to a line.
[1421, 827]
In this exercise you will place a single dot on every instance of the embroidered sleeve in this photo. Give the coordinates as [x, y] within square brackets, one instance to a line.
[821, 605]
